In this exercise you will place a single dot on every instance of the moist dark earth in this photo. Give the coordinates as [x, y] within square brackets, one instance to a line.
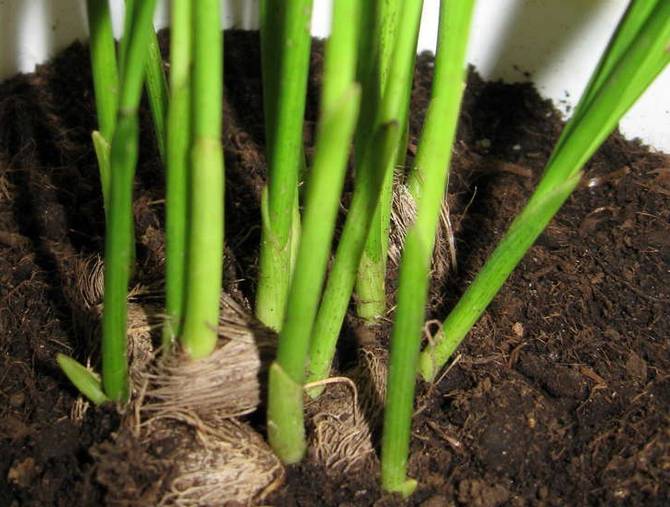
[559, 396]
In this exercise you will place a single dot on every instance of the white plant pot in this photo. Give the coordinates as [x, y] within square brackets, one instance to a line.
[554, 43]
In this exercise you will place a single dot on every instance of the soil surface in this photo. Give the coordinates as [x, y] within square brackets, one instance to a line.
[559, 396]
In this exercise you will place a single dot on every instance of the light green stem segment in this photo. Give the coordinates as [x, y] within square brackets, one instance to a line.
[339, 112]
[82, 378]
[398, 28]
[205, 241]
[105, 84]
[373, 170]
[157, 92]
[428, 182]
[342, 276]
[322, 203]
[286, 428]
[402, 366]
[285, 35]
[176, 180]
[119, 247]
[613, 90]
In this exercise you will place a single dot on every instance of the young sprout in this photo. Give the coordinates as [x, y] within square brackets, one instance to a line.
[286, 41]
[428, 181]
[635, 56]
[83, 379]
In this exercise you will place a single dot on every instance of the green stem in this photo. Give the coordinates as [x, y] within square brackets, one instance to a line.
[157, 92]
[118, 235]
[176, 180]
[286, 28]
[342, 276]
[427, 181]
[339, 112]
[520, 236]
[372, 171]
[205, 242]
[105, 84]
[398, 28]
[620, 86]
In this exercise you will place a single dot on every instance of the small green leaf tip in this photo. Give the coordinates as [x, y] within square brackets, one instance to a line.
[102, 153]
[83, 379]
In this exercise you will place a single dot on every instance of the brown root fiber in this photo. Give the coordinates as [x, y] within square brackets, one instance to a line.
[344, 418]
[222, 385]
[181, 443]
[186, 462]
[340, 440]
[403, 215]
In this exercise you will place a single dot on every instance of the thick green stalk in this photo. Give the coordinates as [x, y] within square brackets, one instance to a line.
[157, 92]
[340, 284]
[105, 84]
[367, 74]
[127, 29]
[372, 171]
[176, 180]
[118, 235]
[339, 112]
[289, 65]
[398, 24]
[428, 181]
[620, 87]
[205, 241]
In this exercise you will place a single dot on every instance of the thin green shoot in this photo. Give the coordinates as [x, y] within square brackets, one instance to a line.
[105, 85]
[371, 174]
[339, 112]
[205, 234]
[157, 92]
[285, 35]
[615, 87]
[177, 164]
[428, 181]
[391, 24]
[118, 235]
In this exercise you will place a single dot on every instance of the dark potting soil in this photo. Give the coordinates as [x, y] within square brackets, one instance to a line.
[559, 396]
